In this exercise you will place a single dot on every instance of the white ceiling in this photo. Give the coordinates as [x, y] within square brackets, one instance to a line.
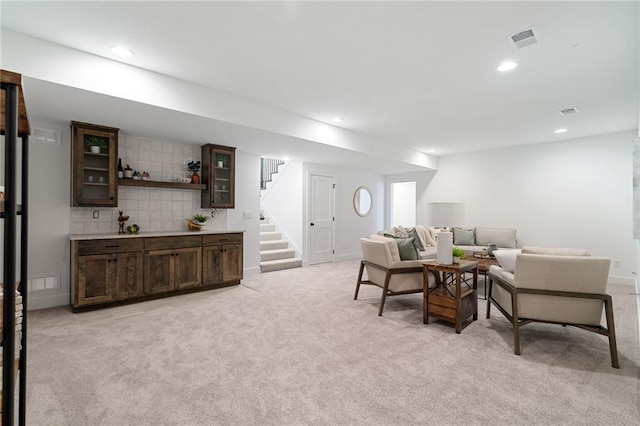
[420, 75]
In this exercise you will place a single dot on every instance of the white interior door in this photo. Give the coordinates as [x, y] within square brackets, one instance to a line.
[321, 217]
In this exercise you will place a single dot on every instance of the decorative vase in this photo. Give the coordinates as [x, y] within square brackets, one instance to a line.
[95, 149]
[456, 259]
[220, 164]
[195, 178]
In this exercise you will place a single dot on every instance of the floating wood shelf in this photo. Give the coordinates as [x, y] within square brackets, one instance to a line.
[158, 184]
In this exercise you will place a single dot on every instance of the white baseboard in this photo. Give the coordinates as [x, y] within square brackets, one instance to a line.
[44, 301]
[614, 279]
[251, 271]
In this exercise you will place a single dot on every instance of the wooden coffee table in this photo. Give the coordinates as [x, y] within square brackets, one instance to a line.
[452, 299]
[484, 263]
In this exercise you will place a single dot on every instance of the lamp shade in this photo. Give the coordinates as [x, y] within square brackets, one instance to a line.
[441, 214]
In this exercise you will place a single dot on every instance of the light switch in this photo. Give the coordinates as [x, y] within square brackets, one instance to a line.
[247, 214]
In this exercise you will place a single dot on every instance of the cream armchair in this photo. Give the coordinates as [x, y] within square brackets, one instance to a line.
[381, 260]
[558, 286]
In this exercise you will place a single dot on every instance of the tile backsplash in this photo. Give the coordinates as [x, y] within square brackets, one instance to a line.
[153, 209]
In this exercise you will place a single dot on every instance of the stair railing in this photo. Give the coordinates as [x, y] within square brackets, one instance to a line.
[268, 166]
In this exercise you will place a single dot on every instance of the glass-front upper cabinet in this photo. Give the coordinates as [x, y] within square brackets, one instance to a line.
[218, 173]
[94, 162]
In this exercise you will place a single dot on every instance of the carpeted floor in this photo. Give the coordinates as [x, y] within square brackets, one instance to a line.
[292, 347]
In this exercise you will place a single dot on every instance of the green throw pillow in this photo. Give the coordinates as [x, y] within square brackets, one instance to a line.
[413, 233]
[407, 248]
[463, 237]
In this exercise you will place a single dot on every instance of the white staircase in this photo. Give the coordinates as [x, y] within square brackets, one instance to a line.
[275, 253]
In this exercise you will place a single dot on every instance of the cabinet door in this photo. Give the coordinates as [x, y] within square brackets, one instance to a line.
[218, 173]
[232, 262]
[159, 271]
[187, 267]
[129, 281]
[94, 174]
[95, 280]
[212, 269]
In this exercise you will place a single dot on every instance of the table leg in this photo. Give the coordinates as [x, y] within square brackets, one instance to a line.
[425, 295]
[475, 289]
[458, 302]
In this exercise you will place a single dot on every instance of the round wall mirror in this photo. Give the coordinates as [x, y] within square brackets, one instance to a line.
[362, 201]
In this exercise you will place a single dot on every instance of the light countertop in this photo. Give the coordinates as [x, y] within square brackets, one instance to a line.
[77, 237]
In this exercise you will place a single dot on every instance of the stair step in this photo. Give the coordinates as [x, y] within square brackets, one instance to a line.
[267, 255]
[276, 265]
[267, 227]
[273, 245]
[270, 236]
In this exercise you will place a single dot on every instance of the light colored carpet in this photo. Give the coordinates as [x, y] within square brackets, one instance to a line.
[292, 347]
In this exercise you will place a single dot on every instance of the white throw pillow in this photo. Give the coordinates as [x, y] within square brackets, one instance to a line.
[507, 259]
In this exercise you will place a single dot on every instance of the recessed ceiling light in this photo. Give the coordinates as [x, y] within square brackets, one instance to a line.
[560, 131]
[336, 120]
[507, 66]
[122, 51]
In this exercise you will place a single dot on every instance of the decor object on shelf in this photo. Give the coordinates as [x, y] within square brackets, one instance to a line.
[220, 160]
[444, 249]
[194, 167]
[199, 219]
[120, 169]
[193, 226]
[458, 254]
[128, 172]
[121, 220]
[95, 143]
[133, 229]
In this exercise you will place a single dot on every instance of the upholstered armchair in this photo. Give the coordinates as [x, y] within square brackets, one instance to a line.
[558, 286]
[385, 269]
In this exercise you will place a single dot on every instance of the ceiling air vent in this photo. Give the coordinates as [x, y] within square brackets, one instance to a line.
[569, 111]
[524, 38]
[47, 136]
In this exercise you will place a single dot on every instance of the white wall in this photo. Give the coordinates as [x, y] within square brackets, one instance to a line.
[49, 213]
[247, 204]
[575, 193]
[282, 202]
[349, 227]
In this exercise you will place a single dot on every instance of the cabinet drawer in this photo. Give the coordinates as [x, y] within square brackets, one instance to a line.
[444, 301]
[119, 245]
[169, 243]
[442, 312]
[214, 239]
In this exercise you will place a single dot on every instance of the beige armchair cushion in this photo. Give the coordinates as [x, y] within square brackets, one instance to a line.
[556, 251]
[582, 274]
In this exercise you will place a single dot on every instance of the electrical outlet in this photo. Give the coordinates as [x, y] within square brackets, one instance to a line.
[95, 214]
[616, 263]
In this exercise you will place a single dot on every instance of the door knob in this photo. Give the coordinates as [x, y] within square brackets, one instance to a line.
[312, 224]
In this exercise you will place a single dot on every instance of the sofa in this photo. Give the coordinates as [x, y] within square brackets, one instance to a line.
[471, 240]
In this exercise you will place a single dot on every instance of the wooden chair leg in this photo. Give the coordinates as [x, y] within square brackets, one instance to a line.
[488, 296]
[613, 347]
[516, 323]
[385, 290]
[355, 296]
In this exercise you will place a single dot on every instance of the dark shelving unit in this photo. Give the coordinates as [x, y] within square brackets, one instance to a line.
[14, 125]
